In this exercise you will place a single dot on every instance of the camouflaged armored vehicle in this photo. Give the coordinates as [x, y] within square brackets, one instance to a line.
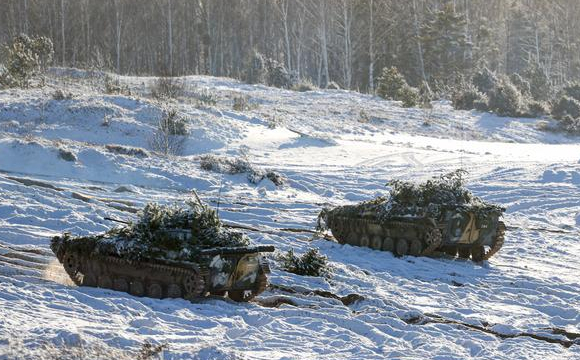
[430, 219]
[169, 252]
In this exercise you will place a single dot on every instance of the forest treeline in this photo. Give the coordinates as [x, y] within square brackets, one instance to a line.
[344, 41]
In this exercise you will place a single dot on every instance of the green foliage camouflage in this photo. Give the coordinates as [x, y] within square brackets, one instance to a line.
[311, 263]
[159, 233]
[429, 199]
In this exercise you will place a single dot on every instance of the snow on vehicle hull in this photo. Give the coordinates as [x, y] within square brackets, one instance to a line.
[463, 233]
[239, 272]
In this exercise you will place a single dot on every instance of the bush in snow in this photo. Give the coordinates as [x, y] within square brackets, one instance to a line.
[149, 351]
[540, 86]
[311, 263]
[225, 165]
[442, 89]
[467, 97]
[537, 108]
[333, 86]
[505, 99]
[262, 70]
[521, 84]
[24, 58]
[572, 90]
[240, 165]
[485, 81]
[277, 75]
[167, 88]
[304, 85]
[256, 69]
[127, 150]
[67, 155]
[393, 86]
[114, 87]
[275, 177]
[409, 96]
[390, 83]
[241, 103]
[570, 125]
[60, 95]
[169, 137]
[173, 123]
[205, 97]
[566, 106]
[426, 96]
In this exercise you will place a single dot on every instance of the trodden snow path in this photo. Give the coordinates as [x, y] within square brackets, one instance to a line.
[530, 287]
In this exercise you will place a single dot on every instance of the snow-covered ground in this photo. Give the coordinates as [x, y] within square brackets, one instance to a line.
[333, 147]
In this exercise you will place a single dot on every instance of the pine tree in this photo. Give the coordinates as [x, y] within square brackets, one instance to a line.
[445, 43]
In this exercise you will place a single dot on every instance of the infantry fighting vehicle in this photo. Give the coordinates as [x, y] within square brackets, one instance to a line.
[430, 219]
[168, 253]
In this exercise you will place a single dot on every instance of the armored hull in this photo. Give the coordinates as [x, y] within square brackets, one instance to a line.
[456, 232]
[240, 273]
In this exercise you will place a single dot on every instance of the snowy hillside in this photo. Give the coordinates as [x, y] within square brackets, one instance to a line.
[332, 147]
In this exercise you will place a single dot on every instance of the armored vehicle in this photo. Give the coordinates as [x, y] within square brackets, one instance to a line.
[430, 219]
[169, 253]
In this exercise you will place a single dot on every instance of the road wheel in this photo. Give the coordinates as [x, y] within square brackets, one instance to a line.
[364, 241]
[105, 282]
[155, 291]
[377, 242]
[402, 247]
[121, 284]
[415, 248]
[136, 288]
[388, 244]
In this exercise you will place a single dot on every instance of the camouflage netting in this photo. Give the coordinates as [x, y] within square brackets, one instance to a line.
[412, 200]
[151, 236]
